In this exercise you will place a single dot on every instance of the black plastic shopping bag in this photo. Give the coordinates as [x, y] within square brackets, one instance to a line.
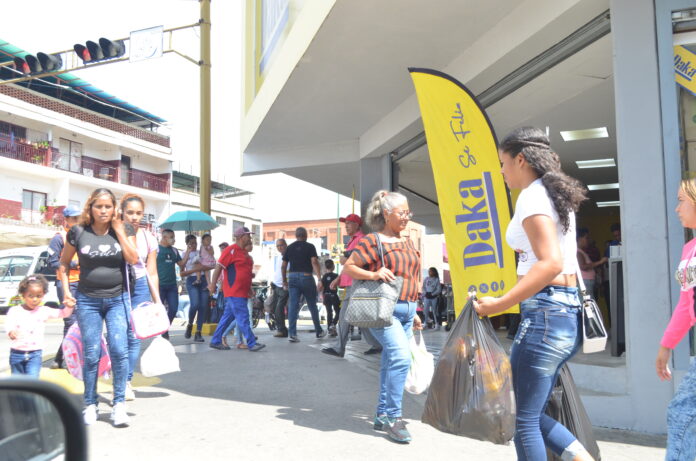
[471, 391]
[566, 407]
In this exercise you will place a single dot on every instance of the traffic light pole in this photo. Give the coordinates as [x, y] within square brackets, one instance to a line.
[205, 107]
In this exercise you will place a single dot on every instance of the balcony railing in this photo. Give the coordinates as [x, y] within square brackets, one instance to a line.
[40, 154]
[148, 181]
[19, 149]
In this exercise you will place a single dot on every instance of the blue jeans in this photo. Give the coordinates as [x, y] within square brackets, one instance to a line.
[235, 325]
[681, 420]
[430, 305]
[25, 362]
[169, 294]
[141, 294]
[302, 284]
[199, 296]
[235, 309]
[396, 358]
[91, 313]
[549, 334]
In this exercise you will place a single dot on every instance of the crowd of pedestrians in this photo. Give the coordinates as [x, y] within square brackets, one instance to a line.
[107, 264]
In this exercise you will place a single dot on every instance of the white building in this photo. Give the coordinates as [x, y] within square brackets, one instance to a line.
[54, 151]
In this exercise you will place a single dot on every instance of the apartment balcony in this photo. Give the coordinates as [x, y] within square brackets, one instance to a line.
[43, 154]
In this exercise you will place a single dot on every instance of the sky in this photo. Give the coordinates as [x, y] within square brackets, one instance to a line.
[168, 86]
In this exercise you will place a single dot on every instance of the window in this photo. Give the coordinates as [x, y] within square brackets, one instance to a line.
[256, 234]
[33, 206]
[70, 155]
[236, 225]
[10, 130]
[221, 220]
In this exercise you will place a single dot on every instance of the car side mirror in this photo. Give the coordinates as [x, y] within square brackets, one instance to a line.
[39, 420]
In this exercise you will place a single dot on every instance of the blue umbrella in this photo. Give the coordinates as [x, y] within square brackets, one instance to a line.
[189, 221]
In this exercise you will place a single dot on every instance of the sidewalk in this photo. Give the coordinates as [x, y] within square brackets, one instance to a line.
[291, 402]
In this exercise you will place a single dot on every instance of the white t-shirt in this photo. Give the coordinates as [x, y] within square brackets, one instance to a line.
[535, 200]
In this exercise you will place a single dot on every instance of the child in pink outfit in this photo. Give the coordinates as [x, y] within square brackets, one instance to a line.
[207, 256]
[25, 325]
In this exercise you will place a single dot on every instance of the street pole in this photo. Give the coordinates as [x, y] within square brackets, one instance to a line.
[205, 106]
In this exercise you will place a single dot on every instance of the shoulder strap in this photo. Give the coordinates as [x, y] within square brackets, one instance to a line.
[380, 249]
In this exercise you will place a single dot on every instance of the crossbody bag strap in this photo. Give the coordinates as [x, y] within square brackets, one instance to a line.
[581, 282]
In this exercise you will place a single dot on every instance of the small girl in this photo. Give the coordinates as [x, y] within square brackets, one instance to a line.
[207, 256]
[25, 325]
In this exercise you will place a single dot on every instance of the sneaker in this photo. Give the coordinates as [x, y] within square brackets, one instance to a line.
[294, 339]
[396, 430]
[372, 350]
[189, 328]
[256, 347]
[130, 395]
[331, 351]
[380, 422]
[280, 335]
[165, 335]
[321, 334]
[437, 328]
[89, 415]
[219, 346]
[119, 417]
[198, 338]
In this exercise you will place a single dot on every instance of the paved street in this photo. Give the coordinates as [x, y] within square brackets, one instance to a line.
[287, 402]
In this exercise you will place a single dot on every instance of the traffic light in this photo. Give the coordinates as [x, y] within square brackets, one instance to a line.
[105, 49]
[38, 64]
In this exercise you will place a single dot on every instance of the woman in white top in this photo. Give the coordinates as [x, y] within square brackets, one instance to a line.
[542, 232]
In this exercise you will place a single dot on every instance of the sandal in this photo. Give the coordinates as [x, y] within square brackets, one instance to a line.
[242, 346]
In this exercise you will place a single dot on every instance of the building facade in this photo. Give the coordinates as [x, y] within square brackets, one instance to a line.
[54, 153]
[598, 74]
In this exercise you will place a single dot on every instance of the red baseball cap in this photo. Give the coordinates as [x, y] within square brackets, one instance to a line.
[352, 218]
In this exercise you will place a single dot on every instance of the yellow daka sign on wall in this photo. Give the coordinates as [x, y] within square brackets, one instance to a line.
[685, 68]
[472, 197]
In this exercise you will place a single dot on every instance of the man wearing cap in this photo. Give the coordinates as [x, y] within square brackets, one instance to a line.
[352, 223]
[71, 214]
[236, 286]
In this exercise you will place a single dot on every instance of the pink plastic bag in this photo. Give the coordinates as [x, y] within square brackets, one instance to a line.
[149, 319]
[73, 354]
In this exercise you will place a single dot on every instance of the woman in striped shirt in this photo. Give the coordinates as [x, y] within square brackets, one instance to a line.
[388, 214]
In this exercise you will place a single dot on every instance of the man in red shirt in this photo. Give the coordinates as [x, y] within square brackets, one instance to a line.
[352, 223]
[236, 286]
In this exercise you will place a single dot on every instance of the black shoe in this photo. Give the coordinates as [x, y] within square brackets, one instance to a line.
[331, 351]
[198, 338]
[396, 430]
[165, 335]
[372, 350]
[256, 347]
[280, 335]
[219, 346]
[189, 328]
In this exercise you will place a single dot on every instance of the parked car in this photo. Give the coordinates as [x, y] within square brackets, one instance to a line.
[17, 263]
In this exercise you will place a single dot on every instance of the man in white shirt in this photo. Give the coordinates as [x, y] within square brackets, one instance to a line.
[280, 294]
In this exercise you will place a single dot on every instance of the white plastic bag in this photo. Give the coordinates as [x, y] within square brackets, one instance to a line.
[159, 358]
[422, 367]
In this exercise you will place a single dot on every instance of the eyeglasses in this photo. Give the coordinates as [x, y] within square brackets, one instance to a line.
[406, 214]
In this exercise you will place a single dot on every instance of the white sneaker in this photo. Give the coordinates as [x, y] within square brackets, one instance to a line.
[119, 416]
[89, 414]
[130, 395]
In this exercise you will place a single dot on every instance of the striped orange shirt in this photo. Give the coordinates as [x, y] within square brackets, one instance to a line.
[401, 258]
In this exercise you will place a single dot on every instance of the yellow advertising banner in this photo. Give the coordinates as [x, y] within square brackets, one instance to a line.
[471, 193]
[685, 68]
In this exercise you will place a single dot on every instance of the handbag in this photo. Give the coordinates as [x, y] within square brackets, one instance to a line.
[594, 334]
[371, 303]
[149, 319]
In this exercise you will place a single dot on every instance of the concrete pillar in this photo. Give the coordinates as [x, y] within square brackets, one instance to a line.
[647, 230]
[375, 174]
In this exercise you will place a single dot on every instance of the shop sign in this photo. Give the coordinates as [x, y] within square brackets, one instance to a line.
[471, 193]
[685, 68]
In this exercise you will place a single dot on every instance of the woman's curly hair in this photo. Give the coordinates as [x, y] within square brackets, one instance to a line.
[565, 192]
